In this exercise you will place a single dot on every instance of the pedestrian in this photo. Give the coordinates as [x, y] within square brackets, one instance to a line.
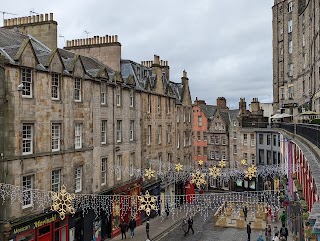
[185, 226]
[275, 230]
[245, 212]
[167, 209]
[268, 232]
[132, 226]
[260, 238]
[148, 229]
[283, 217]
[249, 230]
[190, 223]
[275, 238]
[283, 232]
[123, 227]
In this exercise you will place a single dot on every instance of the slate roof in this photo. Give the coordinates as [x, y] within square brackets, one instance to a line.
[208, 110]
[11, 42]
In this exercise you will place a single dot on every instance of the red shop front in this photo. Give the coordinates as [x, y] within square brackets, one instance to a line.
[46, 228]
[122, 208]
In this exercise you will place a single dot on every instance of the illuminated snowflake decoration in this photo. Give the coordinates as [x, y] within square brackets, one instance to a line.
[149, 173]
[243, 162]
[198, 179]
[214, 172]
[62, 202]
[179, 167]
[251, 172]
[148, 203]
[222, 164]
[200, 162]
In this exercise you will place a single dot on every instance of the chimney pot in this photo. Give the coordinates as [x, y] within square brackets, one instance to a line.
[107, 39]
[184, 74]
[4, 22]
[29, 19]
[156, 59]
[33, 19]
[37, 18]
[18, 21]
[101, 40]
[116, 38]
[89, 41]
[41, 17]
[104, 39]
[14, 21]
[112, 39]
[51, 16]
[46, 17]
[72, 42]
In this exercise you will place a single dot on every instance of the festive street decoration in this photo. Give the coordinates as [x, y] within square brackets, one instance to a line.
[251, 172]
[149, 173]
[62, 202]
[243, 162]
[222, 163]
[148, 203]
[200, 162]
[198, 179]
[214, 172]
[179, 167]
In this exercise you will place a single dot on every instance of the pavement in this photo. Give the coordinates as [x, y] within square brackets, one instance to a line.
[169, 229]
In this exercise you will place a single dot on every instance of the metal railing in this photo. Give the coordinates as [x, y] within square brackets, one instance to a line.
[311, 132]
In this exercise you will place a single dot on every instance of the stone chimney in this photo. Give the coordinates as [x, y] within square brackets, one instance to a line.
[222, 103]
[255, 106]
[42, 27]
[106, 49]
[243, 106]
[199, 102]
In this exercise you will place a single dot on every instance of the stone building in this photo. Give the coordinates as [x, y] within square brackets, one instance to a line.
[87, 120]
[78, 125]
[295, 56]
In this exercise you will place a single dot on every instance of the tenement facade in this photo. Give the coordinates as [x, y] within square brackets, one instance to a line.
[296, 68]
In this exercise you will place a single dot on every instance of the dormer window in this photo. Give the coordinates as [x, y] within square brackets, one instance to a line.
[138, 72]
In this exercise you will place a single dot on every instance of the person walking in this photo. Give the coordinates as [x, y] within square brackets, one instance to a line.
[268, 232]
[167, 209]
[275, 238]
[249, 230]
[275, 231]
[184, 226]
[283, 217]
[132, 226]
[148, 229]
[190, 224]
[283, 232]
[123, 227]
[245, 212]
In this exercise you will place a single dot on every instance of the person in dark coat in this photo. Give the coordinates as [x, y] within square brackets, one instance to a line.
[132, 226]
[190, 223]
[249, 230]
[148, 229]
[245, 213]
[124, 227]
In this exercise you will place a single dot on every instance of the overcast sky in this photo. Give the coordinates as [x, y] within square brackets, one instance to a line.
[224, 45]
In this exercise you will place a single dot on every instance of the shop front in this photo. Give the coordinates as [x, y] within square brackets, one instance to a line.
[123, 208]
[45, 228]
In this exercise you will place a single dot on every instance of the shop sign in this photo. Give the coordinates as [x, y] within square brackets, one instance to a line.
[35, 224]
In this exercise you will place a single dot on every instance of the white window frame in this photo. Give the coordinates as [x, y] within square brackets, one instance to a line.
[184, 115]
[178, 114]
[253, 159]
[199, 120]
[290, 70]
[169, 161]
[290, 47]
[118, 167]
[103, 95]
[199, 136]
[149, 135]
[190, 138]
[55, 180]
[149, 103]
[27, 195]
[235, 135]
[55, 136]
[78, 131]
[118, 96]
[131, 130]
[159, 134]
[169, 134]
[77, 89]
[159, 105]
[131, 98]
[189, 115]
[224, 141]
[245, 139]
[252, 140]
[290, 26]
[204, 136]
[291, 92]
[27, 81]
[217, 155]
[160, 162]
[132, 161]
[303, 40]
[27, 139]
[104, 124]
[119, 131]
[235, 150]
[290, 6]
[282, 94]
[78, 179]
[178, 139]
[223, 155]
[55, 86]
[184, 138]
[104, 161]
[212, 156]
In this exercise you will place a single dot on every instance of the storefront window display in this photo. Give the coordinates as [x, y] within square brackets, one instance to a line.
[116, 215]
[28, 236]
